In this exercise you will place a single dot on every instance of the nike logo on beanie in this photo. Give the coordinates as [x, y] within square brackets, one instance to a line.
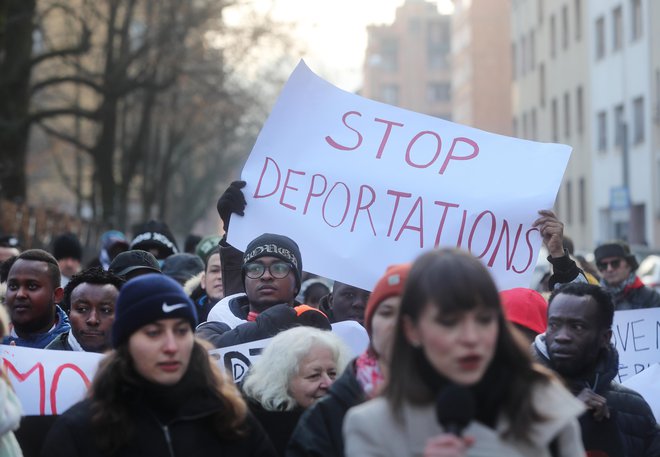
[169, 308]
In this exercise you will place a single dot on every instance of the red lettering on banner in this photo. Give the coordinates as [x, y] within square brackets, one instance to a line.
[530, 258]
[23, 376]
[336, 145]
[490, 237]
[263, 172]
[398, 196]
[419, 228]
[442, 219]
[361, 207]
[348, 204]
[287, 186]
[56, 380]
[386, 136]
[414, 140]
[311, 193]
[510, 254]
[451, 156]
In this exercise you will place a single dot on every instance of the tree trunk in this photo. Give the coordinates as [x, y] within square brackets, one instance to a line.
[15, 53]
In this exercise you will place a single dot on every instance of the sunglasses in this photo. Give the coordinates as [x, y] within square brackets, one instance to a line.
[602, 266]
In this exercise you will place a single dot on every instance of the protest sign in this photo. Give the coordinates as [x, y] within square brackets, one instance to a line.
[48, 382]
[636, 336]
[360, 185]
[237, 359]
[647, 385]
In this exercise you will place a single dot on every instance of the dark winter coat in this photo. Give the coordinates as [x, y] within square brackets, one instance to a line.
[631, 429]
[278, 425]
[60, 343]
[187, 434]
[319, 430]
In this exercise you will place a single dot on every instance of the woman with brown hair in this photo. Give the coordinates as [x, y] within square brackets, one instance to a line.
[452, 336]
[158, 393]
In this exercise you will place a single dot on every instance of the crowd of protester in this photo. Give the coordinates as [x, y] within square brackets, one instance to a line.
[453, 367]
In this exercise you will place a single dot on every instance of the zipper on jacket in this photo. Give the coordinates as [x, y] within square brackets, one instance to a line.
[168, 439]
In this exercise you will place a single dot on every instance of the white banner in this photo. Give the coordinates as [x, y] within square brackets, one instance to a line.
[48, 382]
[646, 383]
[361, 185]
[636, 336]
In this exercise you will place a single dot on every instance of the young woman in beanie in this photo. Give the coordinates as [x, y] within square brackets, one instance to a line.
[456, 361]
[318, 432]
[158, 393]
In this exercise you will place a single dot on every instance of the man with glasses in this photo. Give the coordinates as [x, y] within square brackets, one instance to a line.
[617, 267]
[272, 267]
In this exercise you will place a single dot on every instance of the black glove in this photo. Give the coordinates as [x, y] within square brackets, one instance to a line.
[231, 201]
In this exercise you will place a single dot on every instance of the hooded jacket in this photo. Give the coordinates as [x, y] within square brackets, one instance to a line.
[318, 433]
[41, 340]
[631, 429]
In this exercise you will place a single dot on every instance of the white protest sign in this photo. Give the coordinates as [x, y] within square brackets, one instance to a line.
[636, 334]
[361, 185]
[647, 385]
[48, 382]
[237, 359]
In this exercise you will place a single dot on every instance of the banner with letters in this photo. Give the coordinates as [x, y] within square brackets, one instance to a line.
[361, 185]
[50, 382]
[636, 336]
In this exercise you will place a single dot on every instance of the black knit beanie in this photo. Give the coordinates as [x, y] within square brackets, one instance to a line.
[272, 245]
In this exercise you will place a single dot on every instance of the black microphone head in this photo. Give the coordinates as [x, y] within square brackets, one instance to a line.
[455, 408]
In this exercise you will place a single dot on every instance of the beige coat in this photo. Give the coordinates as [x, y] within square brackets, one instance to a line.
[371, 430]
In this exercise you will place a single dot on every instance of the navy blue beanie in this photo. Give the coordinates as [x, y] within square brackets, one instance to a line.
[147, 299]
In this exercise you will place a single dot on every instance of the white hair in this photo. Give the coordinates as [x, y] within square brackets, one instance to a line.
[267, 380]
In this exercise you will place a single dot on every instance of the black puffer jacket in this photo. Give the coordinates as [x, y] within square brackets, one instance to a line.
[631, 430]
[188, 433]
[319, 430]
[637, 298]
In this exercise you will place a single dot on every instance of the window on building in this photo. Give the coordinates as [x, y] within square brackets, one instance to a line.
[582, 190]
[438, 43]
[534, 127]
[617, 29]
[578, 20]
[555, 115]
[657, 96]
[569, 202]
[523, 55]
[532, 51]
[389, 54]
[602, 131]
[636, 17]
[542, 85]
[514, 61]
[564, 27]
[539, 5]
[514, 127]
[438, 92]
[579, 95]
[553, 37]
[618, 125]
[600, 38]
[525, 130]
[390, 94]
[567, 115]
[638, 120]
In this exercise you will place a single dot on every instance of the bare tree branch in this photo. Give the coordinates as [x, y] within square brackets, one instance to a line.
[65, 137]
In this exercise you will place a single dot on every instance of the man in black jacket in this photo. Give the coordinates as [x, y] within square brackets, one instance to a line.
[577, 345]
[617, 266]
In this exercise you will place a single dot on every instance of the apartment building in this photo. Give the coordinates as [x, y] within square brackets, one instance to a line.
[407, 63]
[481, 64]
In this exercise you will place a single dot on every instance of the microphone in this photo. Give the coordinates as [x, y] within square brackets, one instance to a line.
[454, 408]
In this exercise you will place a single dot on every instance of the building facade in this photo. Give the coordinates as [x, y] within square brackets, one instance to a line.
[407, 63]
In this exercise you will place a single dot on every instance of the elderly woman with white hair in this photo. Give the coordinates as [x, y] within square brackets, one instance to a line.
[294, 371]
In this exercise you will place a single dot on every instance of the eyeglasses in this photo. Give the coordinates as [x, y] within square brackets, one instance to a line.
[277, 270]
[602, 266]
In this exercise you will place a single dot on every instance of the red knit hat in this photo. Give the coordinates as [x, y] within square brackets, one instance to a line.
[525, 307]
[389, 285]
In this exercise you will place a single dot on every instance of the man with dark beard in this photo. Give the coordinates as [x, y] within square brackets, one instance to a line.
[577, 345]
